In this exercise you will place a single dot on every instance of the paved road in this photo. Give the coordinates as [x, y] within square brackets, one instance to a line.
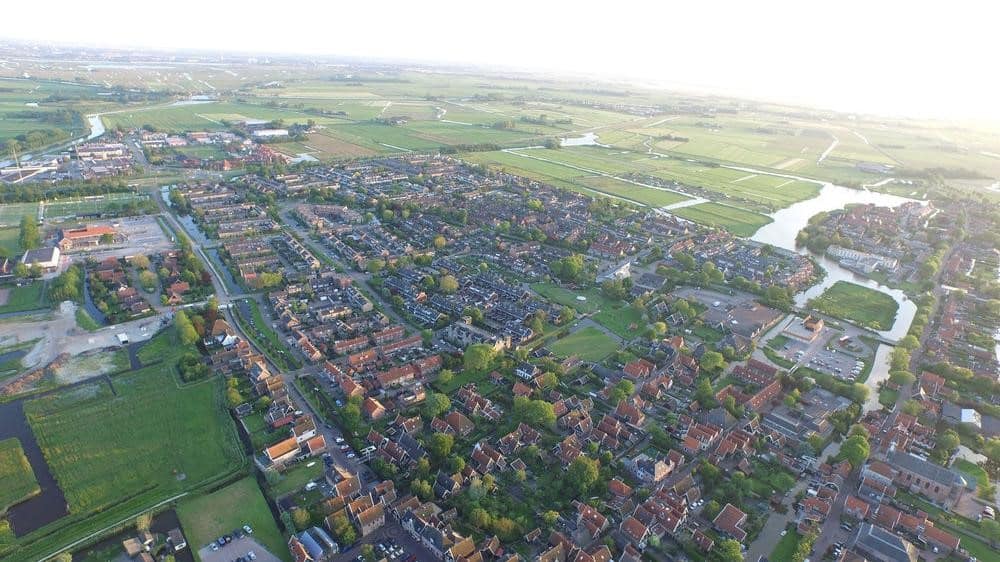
[776, 523]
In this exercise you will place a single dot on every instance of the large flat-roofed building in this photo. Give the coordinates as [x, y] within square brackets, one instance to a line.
[86, 237]
[46, 258]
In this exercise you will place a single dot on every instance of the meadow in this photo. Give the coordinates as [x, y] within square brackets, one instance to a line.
[27, 297]
[17, 480]
[206, 518]
[735, 220]
[588, 344]
[861, 305]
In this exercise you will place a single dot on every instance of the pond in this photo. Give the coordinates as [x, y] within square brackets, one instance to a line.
[588, 139]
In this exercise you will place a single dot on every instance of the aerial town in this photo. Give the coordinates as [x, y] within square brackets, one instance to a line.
[245, 323]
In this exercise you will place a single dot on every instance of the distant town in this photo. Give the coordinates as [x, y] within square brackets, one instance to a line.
[291, 311]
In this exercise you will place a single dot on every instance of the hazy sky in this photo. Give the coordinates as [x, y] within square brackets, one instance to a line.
[896, 57]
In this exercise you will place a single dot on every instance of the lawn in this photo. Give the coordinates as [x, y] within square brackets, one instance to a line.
[738, 221]
[589, 344]
[295, 478]
[85, 320]
[208, 517]
[160, 346]
[111, 202]
[147, 441]
[266, 338]
[624, 321]
[11, 214]
[983, 486]
[17, 480]
[887, 397]
[9, 244]
[28, 297]
[857, 304]
[786, 546]
[594, 300]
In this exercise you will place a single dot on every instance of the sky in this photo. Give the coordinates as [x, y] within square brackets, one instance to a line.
[897, 58]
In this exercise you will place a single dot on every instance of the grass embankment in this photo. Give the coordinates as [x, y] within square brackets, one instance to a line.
[17, 480]
[860, 305]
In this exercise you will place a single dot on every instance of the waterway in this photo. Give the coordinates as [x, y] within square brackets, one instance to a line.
[50, 504]
[789, 221]
[588, 139]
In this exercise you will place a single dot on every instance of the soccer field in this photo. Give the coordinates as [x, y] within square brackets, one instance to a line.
[89, 205]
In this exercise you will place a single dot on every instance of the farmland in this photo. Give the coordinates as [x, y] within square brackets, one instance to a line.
[208, 517]
[733, 219]
[114, 455]
[27, 297]
[861, 305]
[589, 344]
[17, 481]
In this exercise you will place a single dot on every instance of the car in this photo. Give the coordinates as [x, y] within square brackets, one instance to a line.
[345, 447]
[252, 555]
[846, 527]
[351, 455]
[380, 547]
[221, 541]
[339, 440]
[215, 547]
[228, 538]
[247, 529]
[784, 532]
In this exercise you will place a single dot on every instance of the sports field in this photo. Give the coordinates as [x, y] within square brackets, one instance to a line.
[17, 480]
[861, 305]
[9, 244]
[11, 213]
[89, 205]
[206, 518]
[738, 221]
[589, 344]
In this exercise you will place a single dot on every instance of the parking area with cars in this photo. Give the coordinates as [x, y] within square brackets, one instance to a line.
[841, 354]
[397, 546]
[237, 546]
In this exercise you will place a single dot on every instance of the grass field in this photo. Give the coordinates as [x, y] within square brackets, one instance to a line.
[210, 516]
[88, 205]
[11, 213]
[861, 305]
[9, 244]
[786, 546]
[594, 302]
[295, 478]
[621, 321]
[738, 221]
[589, 344]
[151, 441]
[28, 297]
[17, 480]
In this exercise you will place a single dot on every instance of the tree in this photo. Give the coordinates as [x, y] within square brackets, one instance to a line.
[435, 404]
[21, 270]
[710, 474]
[550, 517]
[367, 550]
[342, 529]
[301, 518]
[479, 517]
[855, 450]
[448, 284]
[622, 390]
[548, 380]
[792, 398]
[445, 376]
[571, 268]
[902, 378]
[658, 329]
[582, 473]
[505, 528]
[704, 393]
[439, 242]
[912, 408]
[422, 489]
[909, 342]
[729, 550]
[712, 361]
[535, 413]
[374, 266]
[29, 237]
[566, 315]
[478, 357]
[439, 446]
[148, 280]
[185, 329]
[947, 442]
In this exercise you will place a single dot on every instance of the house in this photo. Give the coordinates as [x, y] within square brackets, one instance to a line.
[856, 507]
[730, 521]
[635, 531]
[526, 371]
[176, 539]
[45, 258]
[461, 424]
[87, 237]
[880, 545]
[372, 409]
[924, 477]
[283, 451]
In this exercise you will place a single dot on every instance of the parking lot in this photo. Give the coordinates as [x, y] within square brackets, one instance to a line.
[826, 353]
[239, 548]
[390, 533]
[143, 235]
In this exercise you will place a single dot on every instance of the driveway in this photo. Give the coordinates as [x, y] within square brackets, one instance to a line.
[236, 549]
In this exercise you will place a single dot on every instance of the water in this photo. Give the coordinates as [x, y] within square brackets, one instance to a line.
[788, 222]
[50, 504]
[588, 139]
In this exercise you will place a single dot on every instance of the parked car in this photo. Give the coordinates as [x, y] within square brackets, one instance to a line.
[247, 529]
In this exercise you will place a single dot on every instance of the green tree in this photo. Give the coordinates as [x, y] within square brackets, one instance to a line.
[704, 393]
[445, 376]
[535, 413]
[480, 518]
[367, 550]
[435, 404]
[422, 489]
[30, 238]
[301, 518]
[478, 357]
[712, 361]
[582, 473]
[550, 517]
[185, 329]
[729, 550]
[439, 242]
[622, 390]
[448, 284]
[855, 450]
[439, 446]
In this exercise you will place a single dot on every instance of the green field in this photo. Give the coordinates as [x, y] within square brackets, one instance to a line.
[738, 221]
[620, 321]
[89, 205]
[857, 304]
[208, 517]
[28, 297]
[594, 302]
[295, 478]
[17, 480]
[786, 546]
[10, 246]
[12, 213]
[589, 344]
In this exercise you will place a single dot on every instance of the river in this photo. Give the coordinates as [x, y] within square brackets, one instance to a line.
[789, 221]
